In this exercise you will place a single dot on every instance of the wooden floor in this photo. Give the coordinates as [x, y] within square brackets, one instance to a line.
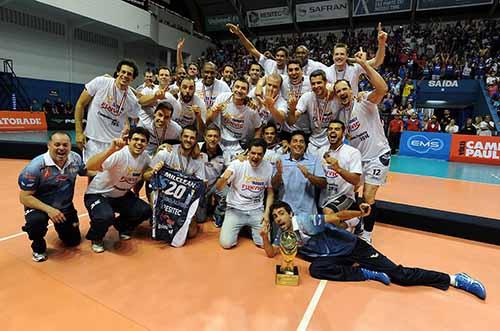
[144, 285]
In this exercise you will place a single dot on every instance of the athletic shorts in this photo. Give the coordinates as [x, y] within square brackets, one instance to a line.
[375, 170]
[93, 147]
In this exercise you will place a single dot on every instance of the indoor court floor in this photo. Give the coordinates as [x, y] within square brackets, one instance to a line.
[145, 285]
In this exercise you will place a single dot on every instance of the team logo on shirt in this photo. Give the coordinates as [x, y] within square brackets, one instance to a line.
[330, 173]
[253, 184]
[354, 124]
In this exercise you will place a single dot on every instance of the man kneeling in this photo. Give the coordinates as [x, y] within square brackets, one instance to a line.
[338, 255]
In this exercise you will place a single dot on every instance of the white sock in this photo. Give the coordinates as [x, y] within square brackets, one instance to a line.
[453, 281]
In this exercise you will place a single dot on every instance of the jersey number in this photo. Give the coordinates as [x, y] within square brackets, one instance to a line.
[175, 190]
[376, 172]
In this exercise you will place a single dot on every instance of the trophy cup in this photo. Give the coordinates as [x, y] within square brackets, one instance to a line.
[287, 273]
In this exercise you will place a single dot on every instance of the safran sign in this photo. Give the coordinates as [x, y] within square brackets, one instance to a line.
[425, 144]
[324, 10]
[475, 149]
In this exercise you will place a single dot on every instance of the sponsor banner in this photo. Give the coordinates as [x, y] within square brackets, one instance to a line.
[370, 7]
[324, 10]
[463, 91]
[475, 149]
[269, 16]
[439, 4]
[218, 23]
[60, 122]
[22, 121]
[430, 145]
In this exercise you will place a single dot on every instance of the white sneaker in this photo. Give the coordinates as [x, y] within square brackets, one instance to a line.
[366, 236]
[39, 257]
[98, 246]
[124, 236]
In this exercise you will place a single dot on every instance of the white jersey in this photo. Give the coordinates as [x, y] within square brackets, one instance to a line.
[272, 156]
[349, 159]
[121, 171]
[109, 109]
[183, 113]
[248, 184]
[179, 162]
[351, 73]
[365, 128]
[210, 93]
[287, 89]
[158, 136]
[271, 66]
[237, 123]
[146, 113]
[321, 112]
[311, 66]
[280, 105]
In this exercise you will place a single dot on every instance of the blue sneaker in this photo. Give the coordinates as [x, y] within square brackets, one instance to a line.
[376, 275]
[469, 284]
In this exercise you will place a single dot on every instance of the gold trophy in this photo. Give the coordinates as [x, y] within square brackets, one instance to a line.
[287, 273]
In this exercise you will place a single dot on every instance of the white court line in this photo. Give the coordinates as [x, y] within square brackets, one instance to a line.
[312, 306]
[24, 233]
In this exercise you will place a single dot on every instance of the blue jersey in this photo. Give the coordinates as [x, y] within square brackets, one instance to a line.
[52, 185]
[317, 238]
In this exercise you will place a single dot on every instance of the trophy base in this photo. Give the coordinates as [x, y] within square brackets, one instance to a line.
[286, 279]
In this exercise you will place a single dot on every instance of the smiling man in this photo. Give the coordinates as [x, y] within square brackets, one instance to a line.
[338, 255]
[47, 186]
[119, 170]
[209, 88]
[249, 180]
[110, 102]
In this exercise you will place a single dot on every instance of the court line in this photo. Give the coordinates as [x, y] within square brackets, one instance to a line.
[24, 233]
[304, 323]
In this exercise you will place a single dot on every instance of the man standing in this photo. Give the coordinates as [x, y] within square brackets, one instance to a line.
[47, 186]
[110, 101]
[308, 65]
[209, 88]
[254, 73]
[366, 133]
[249, 181]
[396, 126]
[119, 170]
[298, 175]
[236, 120]
[320, 109]
[228, 75]
[339, 256]
[161, 129]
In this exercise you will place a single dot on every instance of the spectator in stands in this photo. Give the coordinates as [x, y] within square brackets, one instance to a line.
[451, 127]
[148, 81]
[47, 106]
[35, 105]
[445, 120]
[407, 91]
[228, 75]
[477, 123]
[432, 125]
[468, 128]
[396, 126]
[487, 126]
[47, 186]
[58, 107]
[413, 123]
[68, 108]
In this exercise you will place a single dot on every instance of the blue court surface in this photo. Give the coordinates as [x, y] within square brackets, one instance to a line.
[451, 170]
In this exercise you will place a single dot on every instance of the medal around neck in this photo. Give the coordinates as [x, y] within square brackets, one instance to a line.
[287, 273]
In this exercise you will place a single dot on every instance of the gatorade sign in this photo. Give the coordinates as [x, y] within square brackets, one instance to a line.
[22, 121]
[475, 149]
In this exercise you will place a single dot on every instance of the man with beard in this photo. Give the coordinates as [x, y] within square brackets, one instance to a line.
[161, 128]
[190, 109]
[366, 133]
[299, 175]
[209, 88]
[270, 66]
[272, 107]
[249, 181]
[342, 167]
[228, 75]
[109, 193]
[236, 120]
[192, 70]
[293, 87]
[185, 158]
[308, 65]
[338, 255]
[254, 73]
[47, 186]
[351, 72]
[110, 102]
[320, 109]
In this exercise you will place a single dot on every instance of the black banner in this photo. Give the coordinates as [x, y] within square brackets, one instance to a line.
[439, 4]
[60, 122]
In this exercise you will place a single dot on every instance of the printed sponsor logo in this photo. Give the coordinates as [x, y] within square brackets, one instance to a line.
[421, 144]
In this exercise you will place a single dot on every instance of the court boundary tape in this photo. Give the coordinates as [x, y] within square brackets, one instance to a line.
[306, 319]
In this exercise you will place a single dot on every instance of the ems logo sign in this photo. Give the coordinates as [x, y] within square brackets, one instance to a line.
[431, 145]
[421, 144]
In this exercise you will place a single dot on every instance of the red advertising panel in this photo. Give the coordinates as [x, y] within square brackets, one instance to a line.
[22, 121]
[475, 149]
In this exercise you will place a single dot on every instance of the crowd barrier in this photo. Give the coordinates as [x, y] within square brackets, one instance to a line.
[452, 147]
[22, 121]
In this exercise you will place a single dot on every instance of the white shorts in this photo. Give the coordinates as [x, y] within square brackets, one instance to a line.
[375, 170]
[93, 147]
